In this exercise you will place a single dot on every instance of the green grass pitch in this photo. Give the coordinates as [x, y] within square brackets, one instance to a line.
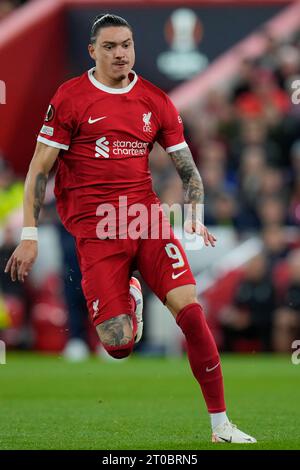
[47, 403]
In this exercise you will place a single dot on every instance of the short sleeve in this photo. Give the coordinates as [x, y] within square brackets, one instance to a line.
[171, 136]
[57, 128]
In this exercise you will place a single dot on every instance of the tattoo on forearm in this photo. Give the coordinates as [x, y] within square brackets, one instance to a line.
[116, 331]
[188, 172]
[39, 194]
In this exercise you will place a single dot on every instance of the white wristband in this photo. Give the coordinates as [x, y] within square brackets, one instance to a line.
[29, 233]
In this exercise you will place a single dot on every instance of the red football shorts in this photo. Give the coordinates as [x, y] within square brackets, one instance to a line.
[107, 265]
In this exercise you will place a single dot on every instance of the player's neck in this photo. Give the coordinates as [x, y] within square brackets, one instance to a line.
[104, 80]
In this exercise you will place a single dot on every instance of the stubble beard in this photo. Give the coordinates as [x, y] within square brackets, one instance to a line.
[121, 77]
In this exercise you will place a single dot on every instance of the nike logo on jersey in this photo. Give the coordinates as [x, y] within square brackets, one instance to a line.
[91, 121]
[212, 368]
[175, 276]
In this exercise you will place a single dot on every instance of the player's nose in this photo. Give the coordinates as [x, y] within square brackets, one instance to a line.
[119, 52]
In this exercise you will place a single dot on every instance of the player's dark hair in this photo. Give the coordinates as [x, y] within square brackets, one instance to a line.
[104, 21]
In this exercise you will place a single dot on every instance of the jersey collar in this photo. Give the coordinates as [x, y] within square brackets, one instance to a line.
[116, 91]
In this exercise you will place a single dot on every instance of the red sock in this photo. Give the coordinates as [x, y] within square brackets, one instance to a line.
[203, 356]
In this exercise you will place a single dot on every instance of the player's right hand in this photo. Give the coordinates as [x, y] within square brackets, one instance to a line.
[200, 229]
[22, 259]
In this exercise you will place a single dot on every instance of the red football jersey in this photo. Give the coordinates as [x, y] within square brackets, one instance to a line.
[105, 136]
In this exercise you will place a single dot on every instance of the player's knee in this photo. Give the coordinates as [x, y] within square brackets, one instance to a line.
[116, 336]
[181, 297]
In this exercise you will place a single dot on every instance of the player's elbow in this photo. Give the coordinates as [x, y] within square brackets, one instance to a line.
[43, 159]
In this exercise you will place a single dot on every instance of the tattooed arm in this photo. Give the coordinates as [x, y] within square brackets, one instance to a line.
[194, 193]
[35, 183]
[23, 257]
[191, 179]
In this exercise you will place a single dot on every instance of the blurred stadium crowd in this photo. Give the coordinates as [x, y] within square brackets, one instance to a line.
[246, 143]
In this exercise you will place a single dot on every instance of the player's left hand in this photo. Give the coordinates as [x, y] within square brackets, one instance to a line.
[200, 229]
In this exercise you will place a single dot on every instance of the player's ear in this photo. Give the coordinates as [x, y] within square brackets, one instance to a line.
[91, 49]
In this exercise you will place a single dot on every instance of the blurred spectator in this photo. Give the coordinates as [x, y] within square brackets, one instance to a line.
[264, 100]
[271, 211]
[272, 183]
[161, 168]
[217, 107]
[287, 317]
[213, 179]
[213, 152]
[223, 210]
[273, 192]
[214, 121]
[250, 317]
[252, 166]
[275, 244]
[254, 133]
[215, 184]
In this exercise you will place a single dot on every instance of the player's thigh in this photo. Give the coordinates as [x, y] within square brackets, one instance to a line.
[163, 265]
[105, 268]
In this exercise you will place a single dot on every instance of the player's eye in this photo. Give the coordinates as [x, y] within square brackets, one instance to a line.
[108, 47]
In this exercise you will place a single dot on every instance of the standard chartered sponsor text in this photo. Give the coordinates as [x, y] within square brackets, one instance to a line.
[127, 147]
